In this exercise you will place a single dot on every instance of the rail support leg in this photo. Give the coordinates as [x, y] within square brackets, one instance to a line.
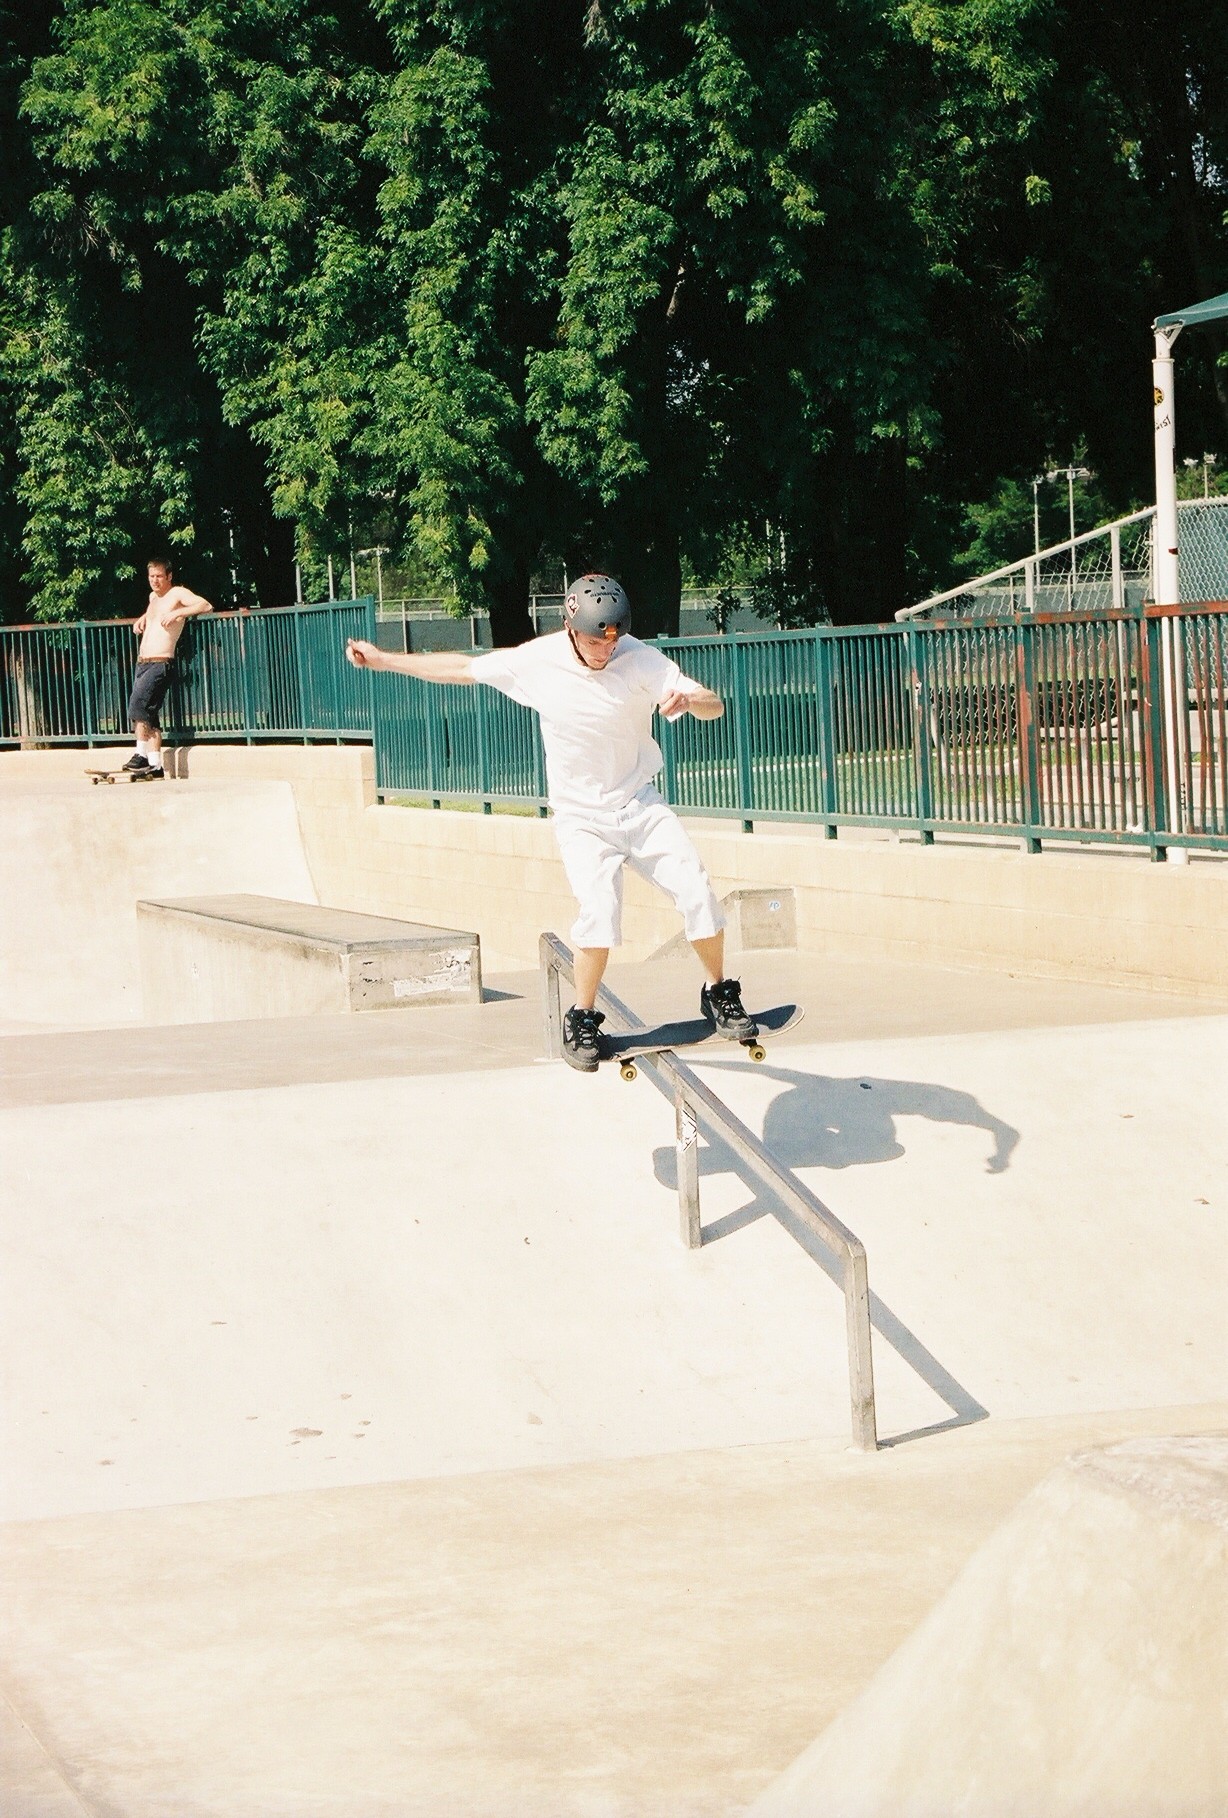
[552, 1009]
[687, 1139]
[861, 1356]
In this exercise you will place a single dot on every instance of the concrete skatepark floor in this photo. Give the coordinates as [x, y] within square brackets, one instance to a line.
[372, 1447]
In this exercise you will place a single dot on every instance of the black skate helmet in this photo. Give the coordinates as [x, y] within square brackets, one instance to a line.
[597, 607]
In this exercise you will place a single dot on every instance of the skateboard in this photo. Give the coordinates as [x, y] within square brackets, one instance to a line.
[120, 776]
[626, 1049]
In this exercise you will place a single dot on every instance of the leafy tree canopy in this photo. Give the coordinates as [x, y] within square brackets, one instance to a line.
[798, 292]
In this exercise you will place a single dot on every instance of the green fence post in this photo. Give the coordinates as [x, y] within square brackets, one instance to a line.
[332, 659]
[1152, 710]
[483, 747]
[1025, 734]
[434, 739]
[923, 781]
[741, 733]
[368, 619]
[245, 658]
[297, 622]
[87, 685]
[825, 709]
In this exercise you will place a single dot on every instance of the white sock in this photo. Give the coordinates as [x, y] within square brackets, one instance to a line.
[155, 759]
[142, 748]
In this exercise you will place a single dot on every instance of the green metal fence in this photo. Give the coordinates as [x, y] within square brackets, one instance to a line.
[1098, 727]
[1106, 726]
[273, 674]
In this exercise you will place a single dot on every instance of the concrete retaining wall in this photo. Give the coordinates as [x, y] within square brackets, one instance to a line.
[1101, 916]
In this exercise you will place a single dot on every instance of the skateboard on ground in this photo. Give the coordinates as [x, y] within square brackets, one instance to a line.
[626, 1049]
[120, 776]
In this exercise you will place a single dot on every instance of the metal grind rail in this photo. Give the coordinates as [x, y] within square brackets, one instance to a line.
[695, 1104]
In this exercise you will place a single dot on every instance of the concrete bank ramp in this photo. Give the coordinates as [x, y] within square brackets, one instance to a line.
[1077, 1667]
[74, 860]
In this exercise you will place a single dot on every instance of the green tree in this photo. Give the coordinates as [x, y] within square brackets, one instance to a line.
[740, 309]
[122, 443]
[809, 293]
[1067, 165]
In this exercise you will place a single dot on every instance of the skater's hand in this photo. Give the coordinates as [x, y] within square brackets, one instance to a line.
[138, 626]
[673, 705]
[364, 655]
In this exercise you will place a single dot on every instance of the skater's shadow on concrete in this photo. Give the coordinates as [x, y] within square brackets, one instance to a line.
[824, 1122]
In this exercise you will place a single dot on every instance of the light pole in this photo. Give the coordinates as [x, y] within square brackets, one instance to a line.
[1055, 473]
[1072, 474]
[378, 551]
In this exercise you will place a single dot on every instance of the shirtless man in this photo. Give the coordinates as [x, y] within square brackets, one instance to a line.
[595, 689]
[159, 628]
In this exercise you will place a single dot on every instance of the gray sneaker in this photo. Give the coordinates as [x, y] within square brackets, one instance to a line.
[723, 1007]
[582, 1040]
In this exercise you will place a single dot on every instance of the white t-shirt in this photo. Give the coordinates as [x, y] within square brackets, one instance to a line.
[596, 723]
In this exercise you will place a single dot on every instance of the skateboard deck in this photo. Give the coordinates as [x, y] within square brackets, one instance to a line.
[692, 1034]
[120, 776]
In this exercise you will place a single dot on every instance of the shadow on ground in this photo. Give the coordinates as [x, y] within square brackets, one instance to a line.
[824, 1122]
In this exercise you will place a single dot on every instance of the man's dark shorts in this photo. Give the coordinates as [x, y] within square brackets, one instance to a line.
[148, 692]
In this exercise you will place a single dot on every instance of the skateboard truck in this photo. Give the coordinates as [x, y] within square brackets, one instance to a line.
[628, 1069]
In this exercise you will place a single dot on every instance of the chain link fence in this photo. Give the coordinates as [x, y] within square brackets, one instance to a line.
[1109, 569]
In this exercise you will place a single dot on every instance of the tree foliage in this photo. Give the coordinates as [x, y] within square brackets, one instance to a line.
[806, 293]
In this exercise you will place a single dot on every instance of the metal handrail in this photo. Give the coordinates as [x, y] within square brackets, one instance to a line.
[696, 1104]
[1027, 568]
[1024, 563]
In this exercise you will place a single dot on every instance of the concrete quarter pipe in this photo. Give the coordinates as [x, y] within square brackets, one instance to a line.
[74, 860]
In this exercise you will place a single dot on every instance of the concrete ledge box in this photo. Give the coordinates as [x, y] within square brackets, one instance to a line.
[238, 958]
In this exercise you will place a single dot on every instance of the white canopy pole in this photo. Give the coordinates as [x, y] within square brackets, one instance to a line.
[1165, 579]
[1166, 576]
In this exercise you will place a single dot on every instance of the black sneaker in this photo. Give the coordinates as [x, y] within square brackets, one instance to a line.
[722, 1005]
[581, 1041]
[138, 761]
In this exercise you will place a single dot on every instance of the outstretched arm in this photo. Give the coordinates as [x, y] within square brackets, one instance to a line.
[426, 666]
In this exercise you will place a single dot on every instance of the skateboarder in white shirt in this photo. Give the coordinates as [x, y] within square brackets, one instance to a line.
[595, 688]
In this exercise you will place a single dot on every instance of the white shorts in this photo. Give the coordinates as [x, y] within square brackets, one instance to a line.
[648, 836]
